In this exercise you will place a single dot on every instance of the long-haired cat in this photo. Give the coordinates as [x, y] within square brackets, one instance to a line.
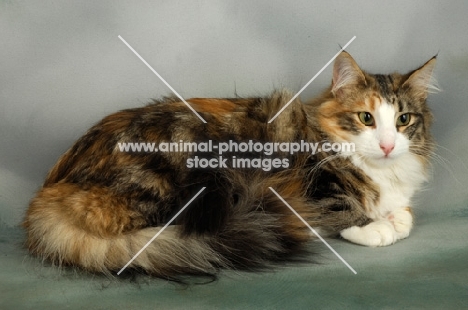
[100, 205]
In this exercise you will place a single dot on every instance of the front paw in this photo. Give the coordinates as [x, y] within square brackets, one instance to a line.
[402, 220]
[380, 233]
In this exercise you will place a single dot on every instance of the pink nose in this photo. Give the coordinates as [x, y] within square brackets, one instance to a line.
[387, 148]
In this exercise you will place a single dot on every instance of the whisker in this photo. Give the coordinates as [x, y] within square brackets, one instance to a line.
[430, 148]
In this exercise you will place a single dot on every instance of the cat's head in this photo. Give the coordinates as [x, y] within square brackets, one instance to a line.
[385, 116]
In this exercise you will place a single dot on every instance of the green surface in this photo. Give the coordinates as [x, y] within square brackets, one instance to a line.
[427, 271]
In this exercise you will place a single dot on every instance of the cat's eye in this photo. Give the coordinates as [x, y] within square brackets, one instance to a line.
[403, 119]
[366, 118]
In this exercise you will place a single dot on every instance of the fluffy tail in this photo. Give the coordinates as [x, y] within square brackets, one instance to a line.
[90, 229]
[96, 231]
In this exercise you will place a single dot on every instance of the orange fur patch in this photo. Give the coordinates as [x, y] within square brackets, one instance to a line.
[214, 106]
[329, 119]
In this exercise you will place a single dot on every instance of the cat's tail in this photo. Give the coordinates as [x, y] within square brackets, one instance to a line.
[89, 229]
[97, 231]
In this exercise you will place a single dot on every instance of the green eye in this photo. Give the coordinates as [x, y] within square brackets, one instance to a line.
[366, 118]
[403, 119]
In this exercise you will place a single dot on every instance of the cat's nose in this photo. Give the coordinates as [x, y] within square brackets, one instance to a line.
[387, 148]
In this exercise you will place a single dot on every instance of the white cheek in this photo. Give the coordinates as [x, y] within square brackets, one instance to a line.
[401, 145]
[367, 143]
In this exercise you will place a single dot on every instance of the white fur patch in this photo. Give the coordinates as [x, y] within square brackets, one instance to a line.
[397, 183]
[379, 233]
[383, 232]
[402, 221]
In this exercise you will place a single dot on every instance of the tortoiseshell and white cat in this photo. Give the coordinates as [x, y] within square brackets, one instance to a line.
[99, 206]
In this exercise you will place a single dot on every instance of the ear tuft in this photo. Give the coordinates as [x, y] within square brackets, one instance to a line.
[346, 73]
[421, 81]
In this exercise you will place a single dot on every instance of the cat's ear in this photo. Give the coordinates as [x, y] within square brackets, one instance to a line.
[346, 74]
[421, 81]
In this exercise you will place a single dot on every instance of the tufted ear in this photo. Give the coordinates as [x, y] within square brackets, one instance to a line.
[346, 74]
[421, 81]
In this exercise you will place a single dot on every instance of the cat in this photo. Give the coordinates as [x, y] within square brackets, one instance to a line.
[100, 205]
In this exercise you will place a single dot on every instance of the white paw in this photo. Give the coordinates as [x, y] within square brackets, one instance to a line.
[379, 233]
[402, 220]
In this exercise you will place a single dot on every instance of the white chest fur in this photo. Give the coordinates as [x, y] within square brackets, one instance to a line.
[397, 181]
